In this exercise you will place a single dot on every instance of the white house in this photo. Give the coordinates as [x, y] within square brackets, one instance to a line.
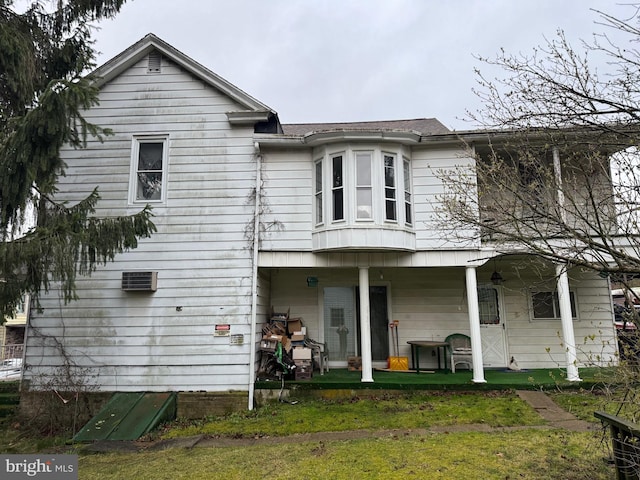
[333, 222]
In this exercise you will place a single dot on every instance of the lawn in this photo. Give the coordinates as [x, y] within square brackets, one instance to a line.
[513, 442]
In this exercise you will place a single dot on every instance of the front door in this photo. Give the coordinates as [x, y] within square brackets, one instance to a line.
[379, 322]
[492, 328]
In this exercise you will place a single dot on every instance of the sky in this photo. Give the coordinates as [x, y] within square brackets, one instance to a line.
[354, 60]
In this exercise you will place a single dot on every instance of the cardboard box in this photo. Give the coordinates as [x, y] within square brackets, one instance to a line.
[277, 338]
[354, 364]
[294, 325]
[268, 345]
[297, 337]
[301, 353]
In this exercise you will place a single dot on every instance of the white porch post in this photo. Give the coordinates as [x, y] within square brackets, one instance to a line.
[365, 326]
[474, 324]
[568, 336]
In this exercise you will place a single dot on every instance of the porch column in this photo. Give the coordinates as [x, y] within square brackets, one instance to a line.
[568, 335]
[365, 326]
[474, 324]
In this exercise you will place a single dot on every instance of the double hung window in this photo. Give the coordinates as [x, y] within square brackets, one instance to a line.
[390, 188]
[545, 305]
[337, 188]
[408, 217]
[364, 189]
[149, 169]
[318, 193]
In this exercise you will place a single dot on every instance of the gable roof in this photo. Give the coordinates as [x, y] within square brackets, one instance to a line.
[254, 110]
[422, 126]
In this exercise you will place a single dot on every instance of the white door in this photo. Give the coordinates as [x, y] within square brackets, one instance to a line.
[492, 329]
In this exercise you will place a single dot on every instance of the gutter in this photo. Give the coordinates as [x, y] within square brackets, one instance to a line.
[254, 278]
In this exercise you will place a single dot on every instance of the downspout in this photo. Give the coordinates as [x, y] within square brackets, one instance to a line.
[254, 277]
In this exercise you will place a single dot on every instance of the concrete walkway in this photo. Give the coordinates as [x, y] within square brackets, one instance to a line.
[552, 413]
[555, 416]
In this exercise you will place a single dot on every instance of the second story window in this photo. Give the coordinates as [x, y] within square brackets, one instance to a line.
[390, 188]
[408, 217]
[318, 193]
[362, 185]
[364, 198]
[149, 169]
[337, 187]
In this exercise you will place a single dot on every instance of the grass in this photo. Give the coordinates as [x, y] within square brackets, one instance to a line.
[412, 451]
[382, 412]
[528, 454]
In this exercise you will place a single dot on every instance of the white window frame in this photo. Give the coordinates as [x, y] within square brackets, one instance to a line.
[318, 193]
[364, 186]
[353, 191]
[135, 153]
[555, 305]
[341, 189]
[392, 190]
[408, 195]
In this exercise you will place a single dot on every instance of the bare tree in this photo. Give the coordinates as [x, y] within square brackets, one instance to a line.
[556, 160]
[554, 171]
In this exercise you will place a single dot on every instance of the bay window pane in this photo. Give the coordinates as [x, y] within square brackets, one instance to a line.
[390, 188]
[338, 188]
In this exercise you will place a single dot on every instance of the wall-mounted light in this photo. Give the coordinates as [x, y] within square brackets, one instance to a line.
[496, 278]
[312, 281]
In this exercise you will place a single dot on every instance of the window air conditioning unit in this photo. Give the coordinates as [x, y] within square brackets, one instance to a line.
[139, 281]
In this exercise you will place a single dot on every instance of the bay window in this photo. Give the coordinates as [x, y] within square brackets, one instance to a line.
[368, 187]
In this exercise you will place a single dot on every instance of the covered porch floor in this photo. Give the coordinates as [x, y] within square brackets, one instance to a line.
[534, 379]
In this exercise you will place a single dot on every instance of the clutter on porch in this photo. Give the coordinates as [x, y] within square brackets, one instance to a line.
[287, 351]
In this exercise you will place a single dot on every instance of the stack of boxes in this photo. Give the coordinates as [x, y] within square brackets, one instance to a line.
[300, 354]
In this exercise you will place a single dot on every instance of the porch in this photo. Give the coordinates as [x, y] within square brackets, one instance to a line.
[496, 379]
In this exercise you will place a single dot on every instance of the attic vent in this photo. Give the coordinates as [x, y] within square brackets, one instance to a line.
[139, 281]
[155, 61]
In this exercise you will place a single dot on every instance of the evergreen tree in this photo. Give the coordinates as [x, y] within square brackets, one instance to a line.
[43, 56]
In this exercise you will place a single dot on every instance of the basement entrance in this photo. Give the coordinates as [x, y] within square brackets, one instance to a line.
[128, 416]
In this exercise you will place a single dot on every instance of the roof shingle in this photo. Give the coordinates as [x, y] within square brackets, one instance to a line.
[424, 126]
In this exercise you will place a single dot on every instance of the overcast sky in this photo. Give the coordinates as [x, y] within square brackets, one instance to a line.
[353, 60]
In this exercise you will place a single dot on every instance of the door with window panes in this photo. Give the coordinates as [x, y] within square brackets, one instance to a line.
[492, 328]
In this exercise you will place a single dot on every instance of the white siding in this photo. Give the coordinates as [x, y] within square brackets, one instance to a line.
[428, 187]
[287, 200]
[162, 340]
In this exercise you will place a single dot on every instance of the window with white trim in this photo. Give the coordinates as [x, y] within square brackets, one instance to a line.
[337, 189]
[364, 196]
[362, 186]
[390, 202]
[546, 305]
[318, 193]
[149, 169]
[406, 168]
